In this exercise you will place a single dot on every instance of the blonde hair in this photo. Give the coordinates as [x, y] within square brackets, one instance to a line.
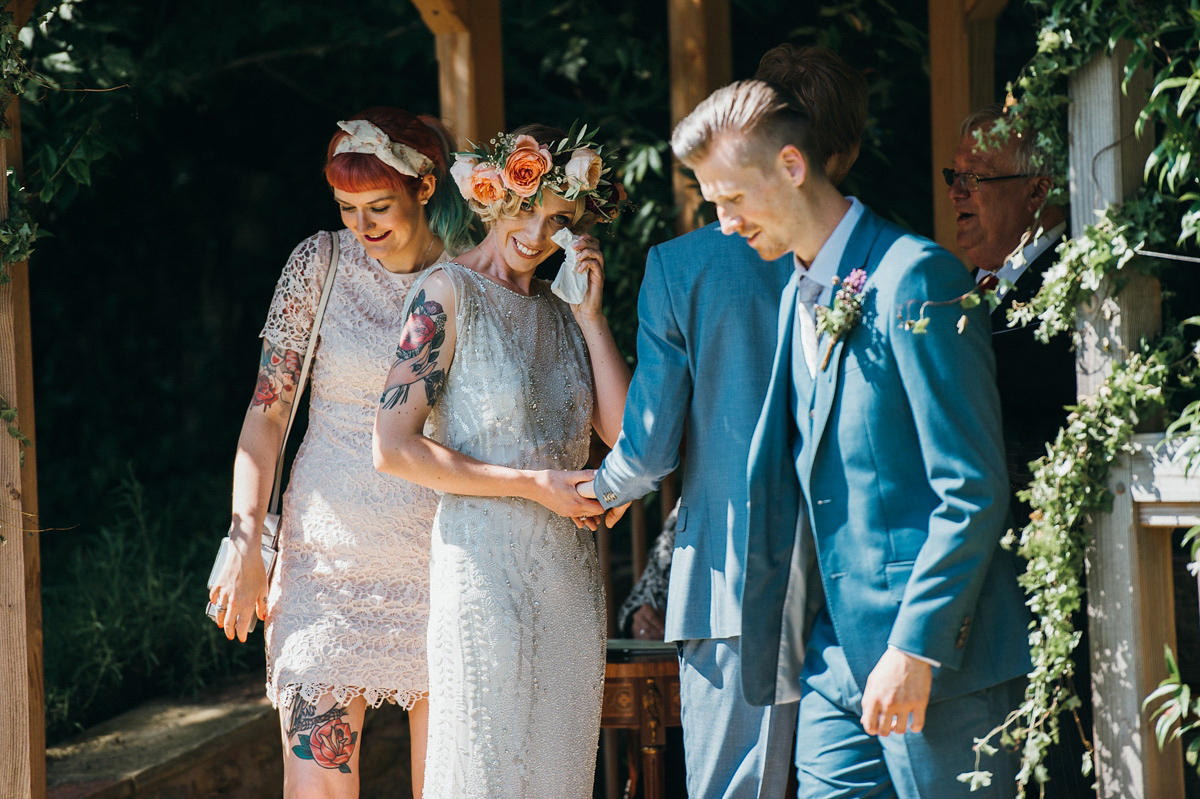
[764, 118]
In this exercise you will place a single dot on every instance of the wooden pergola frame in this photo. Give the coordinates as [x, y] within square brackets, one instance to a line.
[1127, 561]
[22, 713]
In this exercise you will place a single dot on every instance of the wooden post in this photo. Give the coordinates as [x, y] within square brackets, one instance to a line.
[701, 63]
[962, 43]
[470, 65]
[1130, 616]
[22, 717]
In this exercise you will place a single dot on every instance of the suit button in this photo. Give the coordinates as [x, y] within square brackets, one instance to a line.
[812, 414]
[962, 633]
[610, 496]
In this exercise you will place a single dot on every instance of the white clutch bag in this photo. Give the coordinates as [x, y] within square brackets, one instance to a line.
[270, 550]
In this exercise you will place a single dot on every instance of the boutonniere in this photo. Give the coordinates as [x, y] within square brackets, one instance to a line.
[845, 313]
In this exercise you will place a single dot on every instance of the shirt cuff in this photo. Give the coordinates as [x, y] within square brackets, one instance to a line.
[921, 658]
[604, 493]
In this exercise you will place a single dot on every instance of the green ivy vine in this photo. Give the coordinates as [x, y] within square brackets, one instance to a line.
[1069, 484]
[1162, 218]
[1160, 221]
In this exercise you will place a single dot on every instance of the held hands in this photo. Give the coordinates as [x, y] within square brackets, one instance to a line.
[556, 490]
[897, 690]
[241, 590]
[612, 515]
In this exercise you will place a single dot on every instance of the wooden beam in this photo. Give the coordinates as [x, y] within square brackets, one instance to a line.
[962, 41]
[470, 65]
[1130, 606]
[701, 62]
[441, 16]
[23, 748]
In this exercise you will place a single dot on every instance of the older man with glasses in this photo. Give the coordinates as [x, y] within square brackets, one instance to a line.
[999, 187]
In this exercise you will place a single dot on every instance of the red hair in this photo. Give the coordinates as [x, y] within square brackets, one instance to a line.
[356, 172]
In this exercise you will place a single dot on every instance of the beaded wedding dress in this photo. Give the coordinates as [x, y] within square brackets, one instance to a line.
[348, 603]
[517, 624]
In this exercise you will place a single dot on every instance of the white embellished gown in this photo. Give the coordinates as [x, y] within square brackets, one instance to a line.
[517, 618]
[349, 600]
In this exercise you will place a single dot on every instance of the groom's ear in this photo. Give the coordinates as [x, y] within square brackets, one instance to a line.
[794, 163]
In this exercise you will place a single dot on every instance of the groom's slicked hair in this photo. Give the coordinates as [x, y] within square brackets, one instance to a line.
[833, 93]
[766, 118]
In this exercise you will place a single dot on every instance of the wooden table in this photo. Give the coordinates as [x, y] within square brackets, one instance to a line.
[641, 692]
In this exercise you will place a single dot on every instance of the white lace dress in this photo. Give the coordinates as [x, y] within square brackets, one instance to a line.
[348, 604]
[517, 620]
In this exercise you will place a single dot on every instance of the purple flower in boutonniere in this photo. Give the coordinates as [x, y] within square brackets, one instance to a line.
[845, 313]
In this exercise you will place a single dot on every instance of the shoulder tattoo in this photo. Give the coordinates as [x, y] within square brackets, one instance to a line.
[417, 354]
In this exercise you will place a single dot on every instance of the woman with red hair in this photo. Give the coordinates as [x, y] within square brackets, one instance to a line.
[347, 606]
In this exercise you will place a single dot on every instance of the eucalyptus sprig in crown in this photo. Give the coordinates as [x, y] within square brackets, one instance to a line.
[497, 179]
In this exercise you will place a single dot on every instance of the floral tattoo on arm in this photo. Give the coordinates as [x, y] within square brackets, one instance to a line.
[330, 744]
[278, 373]
[417, 354]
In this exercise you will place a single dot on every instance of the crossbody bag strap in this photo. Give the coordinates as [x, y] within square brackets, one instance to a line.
[326, 290]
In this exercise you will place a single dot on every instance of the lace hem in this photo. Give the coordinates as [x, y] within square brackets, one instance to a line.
[342, 694]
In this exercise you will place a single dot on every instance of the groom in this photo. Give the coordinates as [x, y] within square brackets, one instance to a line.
[876, 589]
[706, 333]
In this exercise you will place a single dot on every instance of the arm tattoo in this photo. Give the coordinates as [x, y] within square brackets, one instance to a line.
[278, 373]
[417, 354]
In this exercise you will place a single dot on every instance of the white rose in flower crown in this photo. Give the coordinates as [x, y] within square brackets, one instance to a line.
[461, 172]
[583, 170]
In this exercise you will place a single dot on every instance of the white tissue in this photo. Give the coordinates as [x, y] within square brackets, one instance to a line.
[570, 285]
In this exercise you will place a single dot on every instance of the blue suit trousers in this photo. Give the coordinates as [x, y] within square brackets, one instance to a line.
[734, 750]
[837, 759]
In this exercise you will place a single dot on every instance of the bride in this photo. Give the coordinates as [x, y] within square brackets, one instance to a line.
[511, 380]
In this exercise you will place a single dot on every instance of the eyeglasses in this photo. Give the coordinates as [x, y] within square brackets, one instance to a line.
[971, 182]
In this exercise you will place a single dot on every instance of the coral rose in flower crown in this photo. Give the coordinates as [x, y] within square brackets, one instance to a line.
[497, 181]
[525, 165]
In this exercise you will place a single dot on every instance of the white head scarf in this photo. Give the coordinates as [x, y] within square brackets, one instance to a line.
[366, 138]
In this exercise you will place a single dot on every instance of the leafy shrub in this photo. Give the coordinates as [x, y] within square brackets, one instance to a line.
[124, 611]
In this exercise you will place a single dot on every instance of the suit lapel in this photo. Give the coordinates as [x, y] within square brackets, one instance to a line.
[826, 383]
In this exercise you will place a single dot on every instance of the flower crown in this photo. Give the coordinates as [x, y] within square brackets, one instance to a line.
[497, 181]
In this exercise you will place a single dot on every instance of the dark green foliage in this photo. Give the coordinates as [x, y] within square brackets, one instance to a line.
[123, 621]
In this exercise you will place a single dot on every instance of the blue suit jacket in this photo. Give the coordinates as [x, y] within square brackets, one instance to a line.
[706, 335]
[901, 472]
